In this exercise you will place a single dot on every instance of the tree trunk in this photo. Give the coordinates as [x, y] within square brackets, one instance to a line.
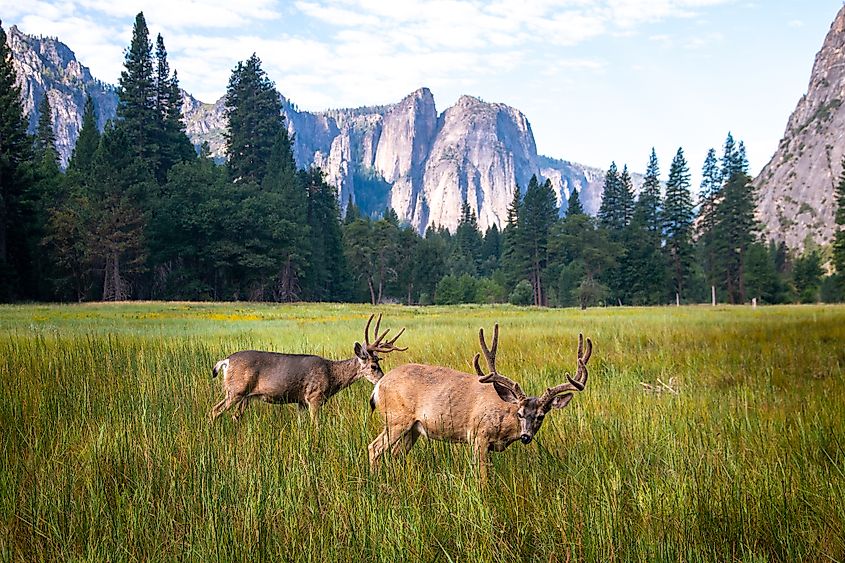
[372, 290]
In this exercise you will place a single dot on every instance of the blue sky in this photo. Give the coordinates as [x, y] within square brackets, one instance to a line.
[599, 80]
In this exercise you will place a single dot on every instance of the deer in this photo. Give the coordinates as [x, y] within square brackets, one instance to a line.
[304, 379]
[489, 411]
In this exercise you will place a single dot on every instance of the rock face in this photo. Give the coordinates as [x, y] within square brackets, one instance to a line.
[796, 187]
[48, 67]
[405, 155]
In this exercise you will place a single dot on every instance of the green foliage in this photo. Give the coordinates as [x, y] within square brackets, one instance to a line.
[15, 156]
[136, 109]
[807, 275]
[253, 113]
[522, 294]
[677, 224]
[573, 204]
[87, 141]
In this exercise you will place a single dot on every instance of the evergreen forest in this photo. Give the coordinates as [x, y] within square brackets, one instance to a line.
[140, 213]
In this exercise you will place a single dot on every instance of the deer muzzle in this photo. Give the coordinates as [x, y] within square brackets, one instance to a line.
[525, 438]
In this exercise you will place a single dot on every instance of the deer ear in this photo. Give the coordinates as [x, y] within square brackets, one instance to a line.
[561, 401]
[506, 394]
[361, 352]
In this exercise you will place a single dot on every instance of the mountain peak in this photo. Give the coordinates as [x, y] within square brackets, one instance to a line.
[796, 186]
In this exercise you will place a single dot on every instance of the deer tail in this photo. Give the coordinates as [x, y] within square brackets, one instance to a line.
[222, 365]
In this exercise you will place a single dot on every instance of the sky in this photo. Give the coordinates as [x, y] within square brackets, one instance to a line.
[599, 80]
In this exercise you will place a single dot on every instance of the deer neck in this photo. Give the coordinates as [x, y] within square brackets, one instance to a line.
[344, 373]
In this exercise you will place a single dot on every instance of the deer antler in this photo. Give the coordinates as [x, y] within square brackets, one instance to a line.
[377, 345]
[580, 380]
[494, 376]
[490, 353]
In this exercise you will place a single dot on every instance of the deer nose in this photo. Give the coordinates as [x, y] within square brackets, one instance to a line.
[525, 438]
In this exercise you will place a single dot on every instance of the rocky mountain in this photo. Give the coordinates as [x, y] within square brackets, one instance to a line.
[796, 186]
[46, 65]
[405, 155]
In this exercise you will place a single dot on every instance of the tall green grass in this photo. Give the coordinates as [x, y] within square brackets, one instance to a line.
[107, 454]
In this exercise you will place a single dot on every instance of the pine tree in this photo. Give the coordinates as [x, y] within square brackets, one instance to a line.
[708, 196]
[466, 252]
[734, 232]
[677, 223]
[611, 213]
[171, 141]
[511, 259]
[45, 138]
[643, 275]
[15, 152]
[648, 206]
[87, 141]
[352, 213]
[573, 206]
[729, 159]
[626, 190]
[538, 213]
[136, 107]
[326, 273]
[253, 111]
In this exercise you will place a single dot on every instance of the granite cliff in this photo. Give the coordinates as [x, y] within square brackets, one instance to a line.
[405, 155]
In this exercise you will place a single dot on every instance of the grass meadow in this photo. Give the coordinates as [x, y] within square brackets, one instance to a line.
[107, 454]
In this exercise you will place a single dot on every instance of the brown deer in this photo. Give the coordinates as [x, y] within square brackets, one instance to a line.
[488, 411]
[304, 379]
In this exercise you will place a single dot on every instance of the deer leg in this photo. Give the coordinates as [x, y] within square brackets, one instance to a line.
[225, 405]
[404, 444]
[215, 410]
[239, 412]
[480, 451]
[387, 439]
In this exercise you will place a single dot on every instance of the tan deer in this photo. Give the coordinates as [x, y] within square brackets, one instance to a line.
[304, 379]
[488, 411]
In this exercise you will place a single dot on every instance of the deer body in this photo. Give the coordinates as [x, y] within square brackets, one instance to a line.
[488, 411]
[431, 401]
[303, 379]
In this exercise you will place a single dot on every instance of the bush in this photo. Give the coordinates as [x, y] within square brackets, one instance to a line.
[522, 294]
[488, 291]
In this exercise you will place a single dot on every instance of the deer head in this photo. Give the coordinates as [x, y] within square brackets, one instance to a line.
[367, 354]
[531, 410]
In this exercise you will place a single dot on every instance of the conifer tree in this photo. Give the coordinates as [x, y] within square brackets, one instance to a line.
[15, 152]
[326, 274]
[573, 204]
[136, 107]
[729, 159]
[677, 223]
[87, 141]
[647, 208]
[708, 196]
[511, 259]
[611, 213]
[253, 111]
[45, 138]
[626, 190]
[735, 231]
[172, 142]
[538, 213]
[643, 266]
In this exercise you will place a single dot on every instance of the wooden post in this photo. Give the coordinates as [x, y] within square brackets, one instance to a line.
[677, 299]
[713, 294]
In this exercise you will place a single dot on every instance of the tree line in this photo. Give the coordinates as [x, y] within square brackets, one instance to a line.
[139, 213]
